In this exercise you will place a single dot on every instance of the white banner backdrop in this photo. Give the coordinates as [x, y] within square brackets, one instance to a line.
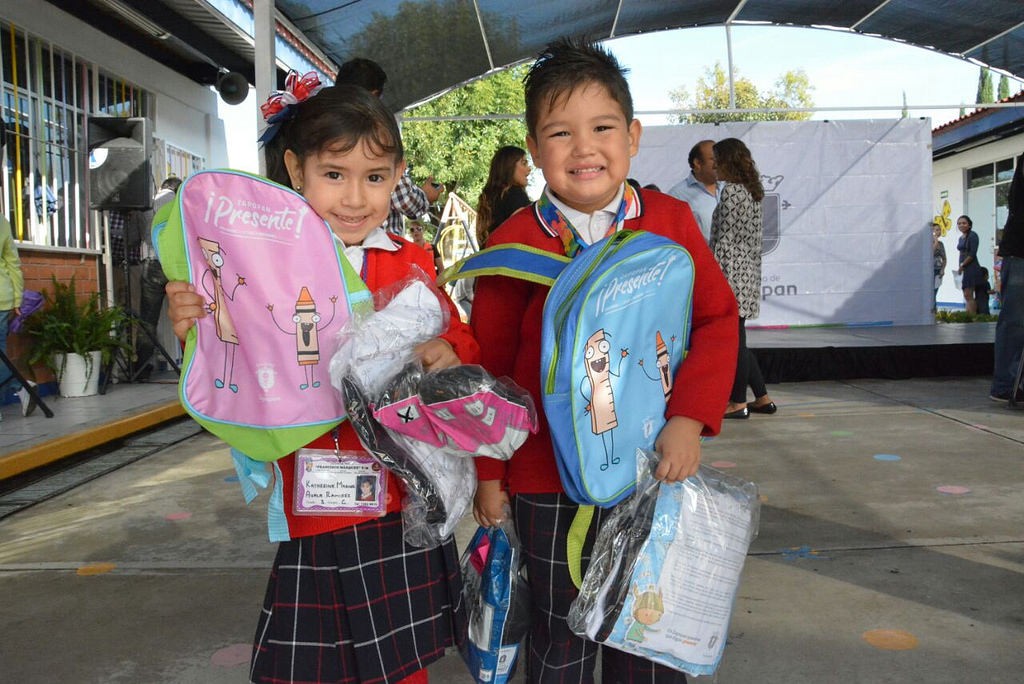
[847, 236]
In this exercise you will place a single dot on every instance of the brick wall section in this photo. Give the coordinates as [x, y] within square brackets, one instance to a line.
[38, 267]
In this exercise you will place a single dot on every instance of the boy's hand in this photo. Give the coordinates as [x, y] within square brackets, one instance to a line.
[679, 447]
[184, 307]
[436, 354]
[490, 502]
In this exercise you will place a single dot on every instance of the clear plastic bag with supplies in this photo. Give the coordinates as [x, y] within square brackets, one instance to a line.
[666, 566]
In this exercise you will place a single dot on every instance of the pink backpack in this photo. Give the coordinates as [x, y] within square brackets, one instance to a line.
[278, 290]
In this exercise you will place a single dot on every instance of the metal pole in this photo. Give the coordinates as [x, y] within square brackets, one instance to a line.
[265, 61]
[728, 51]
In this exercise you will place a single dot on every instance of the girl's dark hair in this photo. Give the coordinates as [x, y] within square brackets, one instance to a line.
[337, 119]
[970, 223]
[499, 179]
[735, 165]
[568, 64]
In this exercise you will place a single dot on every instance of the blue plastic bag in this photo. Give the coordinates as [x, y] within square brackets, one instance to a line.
[498, 602]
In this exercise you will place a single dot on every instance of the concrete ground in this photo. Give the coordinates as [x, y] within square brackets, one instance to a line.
[891, 549]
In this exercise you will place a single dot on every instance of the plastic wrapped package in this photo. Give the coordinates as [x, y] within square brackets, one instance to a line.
[497, 602]
[463, 408]
[665, 568]
[376, 345]
[439, 486]
[478, 414]
[454, 480]
[382, 446]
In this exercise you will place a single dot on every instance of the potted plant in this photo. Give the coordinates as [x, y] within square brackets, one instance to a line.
[75, 337]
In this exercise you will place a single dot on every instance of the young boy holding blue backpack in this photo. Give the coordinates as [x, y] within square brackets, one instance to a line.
[582, 135]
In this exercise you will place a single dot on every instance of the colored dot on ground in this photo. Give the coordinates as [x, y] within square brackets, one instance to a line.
[890, 639]
[954, 490]
[95, 569]
[841, 433]
[887, 457]
[180, 515]
[723, 464]
[232, 656]
[231, 478]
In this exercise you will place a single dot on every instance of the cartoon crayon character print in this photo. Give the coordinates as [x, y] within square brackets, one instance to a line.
[663, 357]
[647, 610]
[601, 406]
[306, 332]
[225, 326]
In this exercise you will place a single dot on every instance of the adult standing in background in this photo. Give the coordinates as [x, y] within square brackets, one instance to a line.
[1010, 328]
[938, 260]
[408, 199]
[970, 270]
[736, 230]
[701, 189]
[504, 192]
[151, 283]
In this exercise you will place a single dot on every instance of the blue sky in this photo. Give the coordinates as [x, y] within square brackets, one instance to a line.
[845, 69]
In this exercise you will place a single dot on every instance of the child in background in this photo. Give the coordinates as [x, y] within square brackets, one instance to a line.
[581, 135]
[347, 599]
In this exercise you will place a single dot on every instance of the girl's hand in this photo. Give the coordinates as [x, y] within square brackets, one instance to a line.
[679, 447]
[490, 502]
[184, 307]
[436, 354]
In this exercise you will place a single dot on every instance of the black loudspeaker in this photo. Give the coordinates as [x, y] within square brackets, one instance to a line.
[232, 87]
[119, 169]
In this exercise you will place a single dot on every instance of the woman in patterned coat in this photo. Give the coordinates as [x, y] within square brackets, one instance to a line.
[736, 229]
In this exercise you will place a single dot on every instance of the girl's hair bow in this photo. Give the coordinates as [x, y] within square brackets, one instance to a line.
[279, 107]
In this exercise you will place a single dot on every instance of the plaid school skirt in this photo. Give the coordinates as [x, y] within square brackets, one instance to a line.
[357, 606]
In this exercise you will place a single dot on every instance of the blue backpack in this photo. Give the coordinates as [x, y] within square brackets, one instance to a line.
[615, 328]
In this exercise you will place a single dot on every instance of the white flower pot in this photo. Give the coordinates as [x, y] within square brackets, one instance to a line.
[77, 376]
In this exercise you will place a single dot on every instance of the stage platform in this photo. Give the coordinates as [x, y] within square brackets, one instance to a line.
[888, 352]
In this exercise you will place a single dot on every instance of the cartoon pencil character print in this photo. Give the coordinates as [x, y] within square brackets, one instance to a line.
[663, 356]
[307, 339]
[225, 326]
[647, 610]
[598, 365]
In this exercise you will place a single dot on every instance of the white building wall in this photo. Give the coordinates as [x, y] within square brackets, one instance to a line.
[186, 112]
[949, 183]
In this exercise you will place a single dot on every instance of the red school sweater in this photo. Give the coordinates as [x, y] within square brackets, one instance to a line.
[383, 268]
[507, 315]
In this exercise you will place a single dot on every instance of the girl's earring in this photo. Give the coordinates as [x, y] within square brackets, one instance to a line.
[298, 188]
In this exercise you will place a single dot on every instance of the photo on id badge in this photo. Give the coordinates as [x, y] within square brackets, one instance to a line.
[332, 482]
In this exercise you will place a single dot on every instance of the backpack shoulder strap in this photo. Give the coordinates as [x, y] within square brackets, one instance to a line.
[514, 260]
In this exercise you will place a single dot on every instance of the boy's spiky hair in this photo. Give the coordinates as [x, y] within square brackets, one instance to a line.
[566, 65]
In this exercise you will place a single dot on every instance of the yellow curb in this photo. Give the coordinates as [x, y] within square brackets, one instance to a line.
[19, 462]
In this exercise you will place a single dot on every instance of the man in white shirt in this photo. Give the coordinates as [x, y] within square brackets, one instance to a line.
[700, 189]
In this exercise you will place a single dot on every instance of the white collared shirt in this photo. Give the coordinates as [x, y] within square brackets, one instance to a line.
[590, 227]
[377, 239]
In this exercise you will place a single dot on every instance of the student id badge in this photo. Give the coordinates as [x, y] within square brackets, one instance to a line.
[329, 482]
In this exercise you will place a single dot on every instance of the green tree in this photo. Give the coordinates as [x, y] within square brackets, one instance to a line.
[985, 92]
[1004, 87]
[791, 90]
[459, 152]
